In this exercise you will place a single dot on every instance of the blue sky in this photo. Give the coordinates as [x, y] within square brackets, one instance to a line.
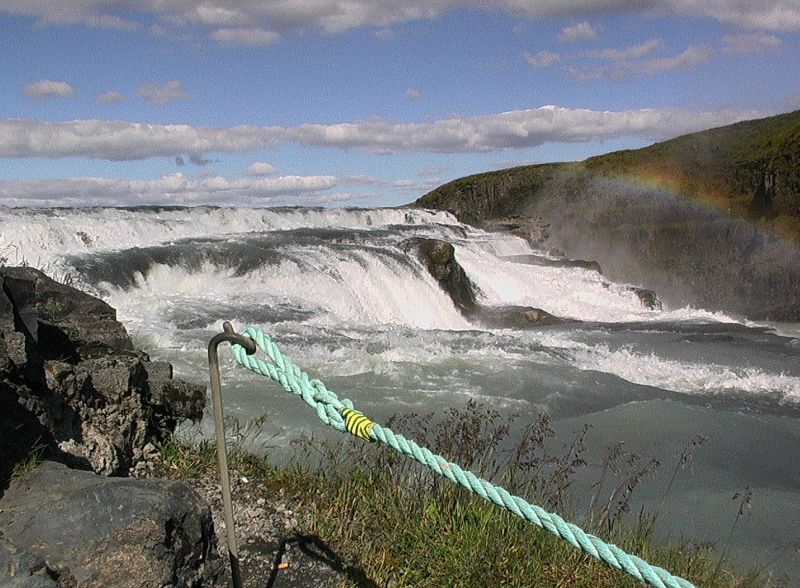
[310, 102]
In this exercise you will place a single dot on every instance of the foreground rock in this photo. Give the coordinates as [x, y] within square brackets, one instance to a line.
[64, 527]
[72, 386]
[73, 389]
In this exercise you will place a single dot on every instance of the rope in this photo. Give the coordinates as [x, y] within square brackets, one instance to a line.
[340, 415]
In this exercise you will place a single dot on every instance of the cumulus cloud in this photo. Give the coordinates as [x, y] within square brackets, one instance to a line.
[44, 89]
[542, 59]
[120, 140]
[169, 189]
[580, 32]
[751, 43]
[342, 15]
[169, 92]
[413, 94]
[259, 168]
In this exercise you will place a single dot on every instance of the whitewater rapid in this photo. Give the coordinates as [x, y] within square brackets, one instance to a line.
[345, 296]
[174, 274]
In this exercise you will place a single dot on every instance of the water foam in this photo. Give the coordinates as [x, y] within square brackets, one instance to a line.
[684, 377]
[40, 237]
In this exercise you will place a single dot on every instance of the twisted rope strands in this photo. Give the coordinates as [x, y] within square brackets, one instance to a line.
[330, 411]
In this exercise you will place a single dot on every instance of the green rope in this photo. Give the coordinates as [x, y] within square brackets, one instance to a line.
[340, 415]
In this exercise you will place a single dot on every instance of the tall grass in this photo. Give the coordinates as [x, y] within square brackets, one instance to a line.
[404, 526]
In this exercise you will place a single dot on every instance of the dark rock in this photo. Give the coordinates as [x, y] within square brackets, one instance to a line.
[530, 259]
[72, 384]
[439, 257]
[85, 530]
[648, 298]
[533, 229]
[516, 317]
[22, 569]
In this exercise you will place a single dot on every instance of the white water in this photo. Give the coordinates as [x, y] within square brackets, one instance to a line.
[344, 295]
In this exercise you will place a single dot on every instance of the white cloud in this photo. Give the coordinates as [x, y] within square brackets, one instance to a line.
[44, 89]
[218, 16]
[751, 43]
[341, 15]
[120, 140]
[363, 180]
[793, 101]
[170, 189]
[413, 94]
[580, 32]
[628, 53]
[259, 168]
[690, 58]
[169, 92]
[254, 37]
[110, 97]
[542, 59]
[625, 63]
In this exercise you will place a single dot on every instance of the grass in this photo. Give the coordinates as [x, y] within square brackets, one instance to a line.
[403, 526]
[34, 459]
[720, 167]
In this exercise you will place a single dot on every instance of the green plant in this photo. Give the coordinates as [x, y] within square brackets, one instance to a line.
[32, 461]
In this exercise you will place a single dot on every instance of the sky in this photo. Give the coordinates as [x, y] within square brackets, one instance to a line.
[363, 102]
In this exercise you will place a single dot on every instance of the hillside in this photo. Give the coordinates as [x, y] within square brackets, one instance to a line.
[709, 219]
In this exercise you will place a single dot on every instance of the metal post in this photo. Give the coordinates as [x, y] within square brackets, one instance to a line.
[219, 428]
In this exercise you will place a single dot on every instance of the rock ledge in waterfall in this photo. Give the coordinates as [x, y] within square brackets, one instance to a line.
[439, 258]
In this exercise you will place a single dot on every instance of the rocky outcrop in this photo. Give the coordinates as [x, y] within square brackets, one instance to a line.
[439, 257]
[710, 219]
[72, 386]
[648, 298]
[515, 317]
[63, 527]
[74, 389]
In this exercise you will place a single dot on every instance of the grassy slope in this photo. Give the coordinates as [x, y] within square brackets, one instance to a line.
[724, 167]
[394, 523]
[710, 219]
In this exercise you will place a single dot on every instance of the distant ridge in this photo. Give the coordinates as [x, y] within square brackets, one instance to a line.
[709, 219]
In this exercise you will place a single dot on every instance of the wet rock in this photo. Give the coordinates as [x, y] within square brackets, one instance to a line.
[649, 298]
[566, 262]
[534, 230]
[439, 257]
[79, 529]
[516, 317]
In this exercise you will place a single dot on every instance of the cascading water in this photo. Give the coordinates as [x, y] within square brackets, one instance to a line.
[348, 300]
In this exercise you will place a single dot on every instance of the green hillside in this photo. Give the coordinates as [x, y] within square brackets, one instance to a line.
[750, 170]
[709, 219]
